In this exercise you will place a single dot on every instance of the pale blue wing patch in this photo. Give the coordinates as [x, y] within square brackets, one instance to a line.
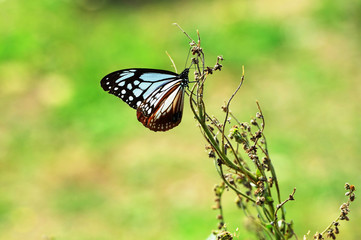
[137, 92]
[151, 76]
[144, 85]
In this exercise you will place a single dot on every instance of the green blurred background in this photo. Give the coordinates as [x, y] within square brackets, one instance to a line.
[76, 164]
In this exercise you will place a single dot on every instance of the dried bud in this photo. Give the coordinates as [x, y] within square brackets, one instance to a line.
[344, 206]
[270, 181]
[260, 200]
[229, 178]
[258, 134]
[211, 154]
[318, 236]
[218, 66]
[209, 70]
[352, 197]
[196, 50]
[330, 234]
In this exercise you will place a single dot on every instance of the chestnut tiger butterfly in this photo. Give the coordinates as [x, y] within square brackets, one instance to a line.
[157, 95]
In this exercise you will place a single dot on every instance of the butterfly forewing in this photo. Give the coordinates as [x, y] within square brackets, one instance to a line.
[163, 109]
[135, 85]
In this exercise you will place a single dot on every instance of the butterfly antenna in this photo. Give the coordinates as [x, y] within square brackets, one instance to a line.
[185, 65]
[171, 59]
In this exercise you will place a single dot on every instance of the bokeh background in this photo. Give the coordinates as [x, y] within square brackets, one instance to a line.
[75, 163]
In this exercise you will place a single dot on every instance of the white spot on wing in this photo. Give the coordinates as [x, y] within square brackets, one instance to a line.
[129, 86]
[123, 91]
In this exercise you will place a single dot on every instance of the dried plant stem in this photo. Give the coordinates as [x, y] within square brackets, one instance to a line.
[252, 177]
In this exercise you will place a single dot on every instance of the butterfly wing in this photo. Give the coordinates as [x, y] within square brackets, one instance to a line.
[133, 86]
[163, 109]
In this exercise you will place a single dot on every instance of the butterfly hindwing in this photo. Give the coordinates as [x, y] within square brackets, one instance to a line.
[135, 85]
[163, 109]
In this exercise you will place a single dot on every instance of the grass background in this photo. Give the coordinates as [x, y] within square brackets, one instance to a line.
[76, 164]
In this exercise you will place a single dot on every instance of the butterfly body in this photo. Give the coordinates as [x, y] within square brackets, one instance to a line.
[158, 95]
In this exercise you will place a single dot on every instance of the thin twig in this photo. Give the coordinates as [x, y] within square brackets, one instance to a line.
[227, 107]
[279, 206]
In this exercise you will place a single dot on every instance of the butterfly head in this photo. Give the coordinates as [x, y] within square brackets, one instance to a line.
[184, 75]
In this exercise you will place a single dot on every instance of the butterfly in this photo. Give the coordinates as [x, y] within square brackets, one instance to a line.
[157, 95]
